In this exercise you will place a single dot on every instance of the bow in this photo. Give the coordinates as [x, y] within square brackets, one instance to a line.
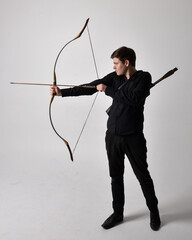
[55, 83]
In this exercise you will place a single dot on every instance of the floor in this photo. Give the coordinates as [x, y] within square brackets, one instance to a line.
[54, 199]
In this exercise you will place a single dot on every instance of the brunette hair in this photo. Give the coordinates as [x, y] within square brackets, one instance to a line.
[125, 53]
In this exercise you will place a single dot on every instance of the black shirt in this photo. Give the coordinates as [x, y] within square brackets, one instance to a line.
[126, 112]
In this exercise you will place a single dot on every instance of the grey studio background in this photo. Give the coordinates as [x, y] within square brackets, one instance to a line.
[43, 195]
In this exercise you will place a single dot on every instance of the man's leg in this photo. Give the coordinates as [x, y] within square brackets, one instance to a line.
[116, 169]
[117, 187]
[136, 151]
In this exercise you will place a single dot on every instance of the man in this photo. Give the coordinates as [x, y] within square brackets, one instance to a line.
[128, 88]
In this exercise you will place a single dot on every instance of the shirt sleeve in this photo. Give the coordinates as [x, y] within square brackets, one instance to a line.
[77, 91]
[135, 94]
[110, 91]
[80, 91]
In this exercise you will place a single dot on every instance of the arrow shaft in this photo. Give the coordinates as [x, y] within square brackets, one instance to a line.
[47, 84]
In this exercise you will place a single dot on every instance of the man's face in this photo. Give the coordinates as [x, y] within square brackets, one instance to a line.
[120, 67]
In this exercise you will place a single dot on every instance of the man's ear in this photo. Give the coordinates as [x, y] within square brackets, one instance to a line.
[126, 63]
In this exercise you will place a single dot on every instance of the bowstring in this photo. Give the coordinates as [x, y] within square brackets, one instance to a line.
[94, 100]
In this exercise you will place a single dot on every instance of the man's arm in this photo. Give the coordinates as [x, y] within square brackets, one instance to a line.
[69, 92]
[135, 94]
[100, 85]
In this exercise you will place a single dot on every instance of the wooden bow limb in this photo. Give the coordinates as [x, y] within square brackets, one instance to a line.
[55, 83]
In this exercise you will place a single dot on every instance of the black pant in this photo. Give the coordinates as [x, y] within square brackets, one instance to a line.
[134, 146]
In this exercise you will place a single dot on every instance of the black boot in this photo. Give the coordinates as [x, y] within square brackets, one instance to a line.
[152, 203]
[155, 221]
[117, 187]
[112, 221]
